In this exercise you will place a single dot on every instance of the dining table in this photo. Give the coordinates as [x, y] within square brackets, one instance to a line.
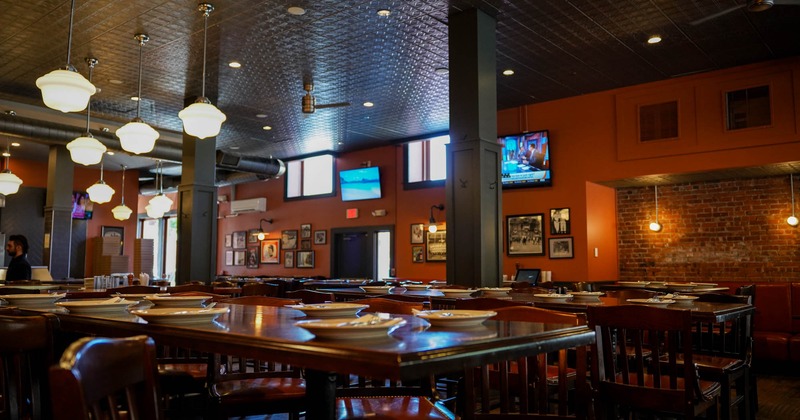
[412, 351]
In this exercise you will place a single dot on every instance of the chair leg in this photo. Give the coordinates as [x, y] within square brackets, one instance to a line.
[725, 397]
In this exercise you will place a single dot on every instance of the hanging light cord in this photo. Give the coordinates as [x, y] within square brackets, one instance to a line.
[123, 185]
[69, 38]
[101, 171]
[791, 185]
[656, 203]
[92, 62]
[206, 12]
[139, 102]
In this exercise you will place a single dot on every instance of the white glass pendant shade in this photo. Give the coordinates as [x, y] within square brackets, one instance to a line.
[153, 212]
[433, 228]
[655, 227]
[792, 221]
[86, 150]
[201, 119]
[9, 183]
[137, 137]
[161, 202]
[122, 212]
[65, 90]
[100, 192]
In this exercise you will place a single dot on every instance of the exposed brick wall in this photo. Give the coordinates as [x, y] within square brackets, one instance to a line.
[732, 230]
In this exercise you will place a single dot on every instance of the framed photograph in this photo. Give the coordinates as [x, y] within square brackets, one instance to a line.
[228, 257]
[305, 244]
[436, 246]
[417, 254]
[288, 259]
[305, 231]
[270, 251]
[289, 239]
[239, 240]
[305, 259]
[561, 248]
[417, 233]
[525, 234]
[116, 232]
[239, 257]
[320, 237]
[559, 221]
[252, 257]
[228, 240]
[252, 236]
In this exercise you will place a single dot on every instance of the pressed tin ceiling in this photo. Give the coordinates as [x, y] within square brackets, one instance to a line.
[557, 48]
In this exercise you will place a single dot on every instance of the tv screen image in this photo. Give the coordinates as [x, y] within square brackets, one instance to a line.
[526, 160]
[360, 184]
[81, 206]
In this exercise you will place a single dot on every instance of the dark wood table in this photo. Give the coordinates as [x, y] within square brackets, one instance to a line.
[413, 351]
[351, 293]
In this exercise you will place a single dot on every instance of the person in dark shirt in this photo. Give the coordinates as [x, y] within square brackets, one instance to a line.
[19, 268]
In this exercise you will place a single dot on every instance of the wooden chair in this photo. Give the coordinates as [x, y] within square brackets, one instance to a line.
[261, 300]
[136, 290]
[100, 378]
[26, 352]
[532, 387]
[311, 296]
[261, 289]
[629, 380]
[390, 306]
[190, 288]
[485, 303]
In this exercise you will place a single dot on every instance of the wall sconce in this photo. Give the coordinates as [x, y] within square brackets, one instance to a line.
[655, 226]
[262, 234]
[792, 220]
[432, 222]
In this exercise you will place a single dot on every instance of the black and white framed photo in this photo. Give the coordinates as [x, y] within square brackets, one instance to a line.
[288, 259]
[252, 236]
[305, 259]
[305, 231]
[559, 221]
[436, 246]
[239, 240]
[320, 237]
[305, 244]
[228, 241]
[417, 233]
[525, 234]
[252, 256]
[239, 257]
[561, 248]
[289, 239]
[228, 257]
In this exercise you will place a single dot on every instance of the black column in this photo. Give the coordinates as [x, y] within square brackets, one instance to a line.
[474, 200]
[197, 212]
[58, 212]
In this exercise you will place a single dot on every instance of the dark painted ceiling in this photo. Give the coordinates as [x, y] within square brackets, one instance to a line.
[557, 48]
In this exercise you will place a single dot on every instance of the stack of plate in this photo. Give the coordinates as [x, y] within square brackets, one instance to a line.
[329, 310]
[455, 318]
[177, 301]
[494, 291]
[457, 293]
[552, 297]
[586, 296]
[97, 307]
[37, 300]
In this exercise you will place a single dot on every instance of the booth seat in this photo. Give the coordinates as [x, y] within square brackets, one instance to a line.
[776, 329]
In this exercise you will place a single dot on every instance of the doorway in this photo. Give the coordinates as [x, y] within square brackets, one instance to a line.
[363, 253]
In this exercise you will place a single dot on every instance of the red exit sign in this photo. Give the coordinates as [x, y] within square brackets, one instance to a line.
[352, 213]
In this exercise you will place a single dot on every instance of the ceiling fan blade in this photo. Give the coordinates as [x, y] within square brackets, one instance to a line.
[336, 105]
[716, 15]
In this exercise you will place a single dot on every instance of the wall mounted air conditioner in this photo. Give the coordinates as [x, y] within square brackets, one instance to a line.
[251, 205]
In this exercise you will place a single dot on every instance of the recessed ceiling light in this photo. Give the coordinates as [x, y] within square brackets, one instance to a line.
[234, 147]
[261, 115]
[368, 104]
[508, 72]
[340, 143]
[235, 65]
[295, 10]
[384, 12]
[110, 153]
[15, 144]
[115, 81]
[267, 128]
[134, 98]
[654, 39]
[442, 70]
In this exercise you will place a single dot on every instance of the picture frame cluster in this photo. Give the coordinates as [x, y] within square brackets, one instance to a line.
[296, 246]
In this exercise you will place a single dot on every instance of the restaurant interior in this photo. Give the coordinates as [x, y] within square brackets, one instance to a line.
[469, 209]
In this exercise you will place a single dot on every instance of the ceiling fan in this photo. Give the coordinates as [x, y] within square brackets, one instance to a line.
[310, 102]
[750, 5]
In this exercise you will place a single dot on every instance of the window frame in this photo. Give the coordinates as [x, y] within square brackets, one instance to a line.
[427, 183]
[302, 196]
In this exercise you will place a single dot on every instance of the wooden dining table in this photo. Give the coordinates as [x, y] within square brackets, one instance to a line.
[413, 351]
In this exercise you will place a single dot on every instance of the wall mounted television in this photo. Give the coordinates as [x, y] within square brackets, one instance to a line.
[525, 160]
[81, 206]
[360, 184]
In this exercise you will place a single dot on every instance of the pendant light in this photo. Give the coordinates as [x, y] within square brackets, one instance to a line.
[792, 220]
[655, 226]
[87, 150]
[136, 136]
[9, 183]
[432, 228]
[100, 192]
[202, 119]
[159, 204]
[65, 89]
[122, 212]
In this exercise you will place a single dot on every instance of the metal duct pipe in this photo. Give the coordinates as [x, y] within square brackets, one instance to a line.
[171, 183]
[270, 168]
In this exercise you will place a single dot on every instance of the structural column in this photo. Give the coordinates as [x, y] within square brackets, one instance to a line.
[58, 212]
[197, 212]
[474, 199]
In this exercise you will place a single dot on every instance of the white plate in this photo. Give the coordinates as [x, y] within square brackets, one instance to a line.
[495, 291]
[29, 300]
[652, 302]
[682, 287]
[139, 296]
[457, 293]
[633, 283]
[417, 286]
[586, 296]
[178, 301]
[376, 289]
[329, 310]
[455, 317]
[682, 299]
[368, 326]
[179, 316]
[551, 297]
[97, 306]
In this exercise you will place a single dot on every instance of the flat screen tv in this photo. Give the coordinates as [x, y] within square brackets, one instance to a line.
[526, 160]
[81, 206]
[360, 184]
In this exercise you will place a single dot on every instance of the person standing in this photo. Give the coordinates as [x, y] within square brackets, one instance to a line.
[19, 268]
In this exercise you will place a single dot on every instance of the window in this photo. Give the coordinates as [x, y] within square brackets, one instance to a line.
[748, 108]
[164, 233]
[310, 177]
[658, 121]
[426, 162]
